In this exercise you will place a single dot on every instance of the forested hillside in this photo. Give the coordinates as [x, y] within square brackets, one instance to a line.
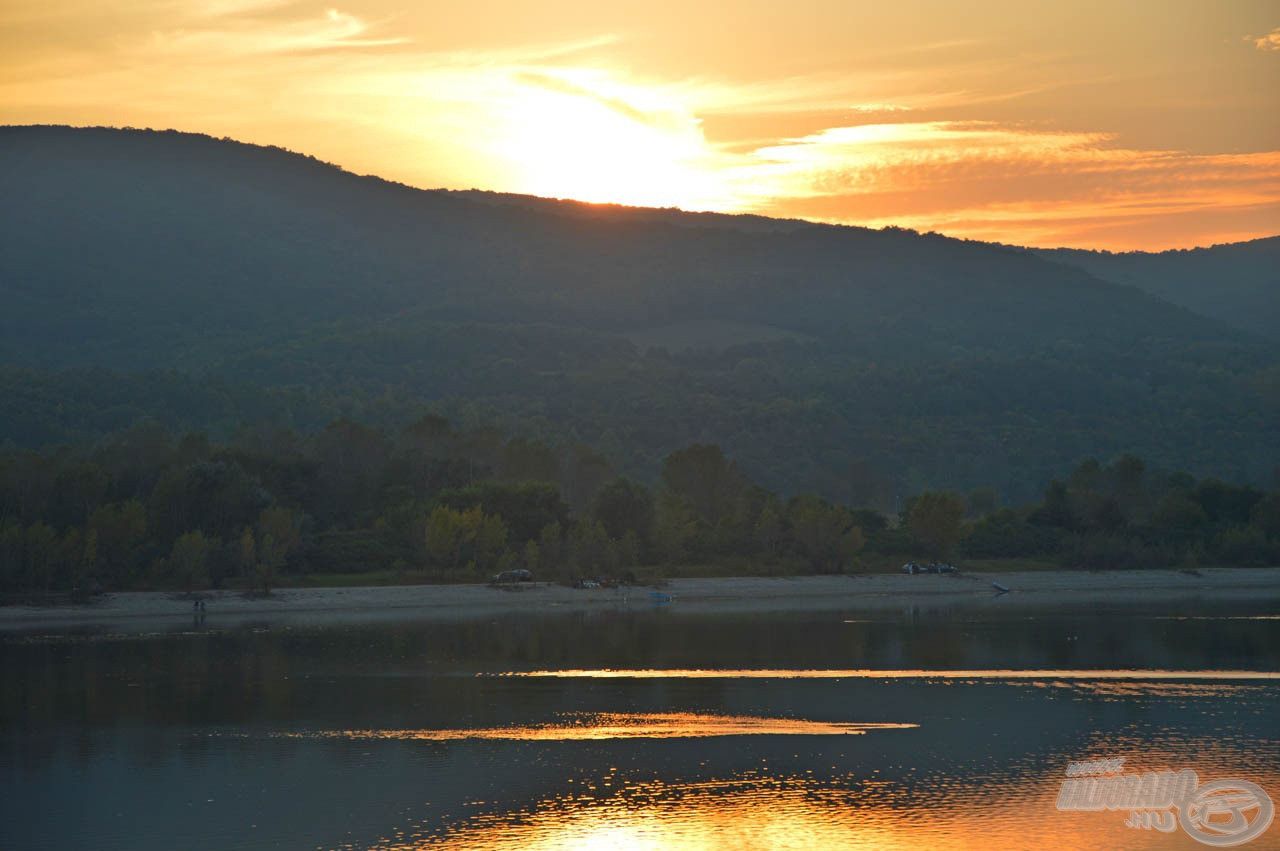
[1239, 284]
[213, 285]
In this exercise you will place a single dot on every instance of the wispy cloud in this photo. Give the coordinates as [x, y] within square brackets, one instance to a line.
[240, 35]
[222, 8]
[1270, 41]
[880, 107]
[988, 180]
[656, 114]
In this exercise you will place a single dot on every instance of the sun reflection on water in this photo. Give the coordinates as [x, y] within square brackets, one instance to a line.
[758, 812]
[1009, 805]
[886, 674]
[594, 727]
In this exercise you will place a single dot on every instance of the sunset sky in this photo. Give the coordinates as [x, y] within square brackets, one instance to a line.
[1095, 124]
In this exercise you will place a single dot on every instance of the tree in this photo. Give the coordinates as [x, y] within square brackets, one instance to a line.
[279, 532]
[189, 560]
[525, 507]
[119, 528]
[490, 540]
[88, 564]
[674, 526]
[623, 506]
[768, 529]
[934, 519]
[444, 536]
[530, 557]
[247, 553]
[457, 538]
[551, 547]
[41, 547]
[1178, 516]
[981, 502]
[591, 551]
[701, 475]
[1266, 515]
[824, 533]
[529, 461]
[584, 472]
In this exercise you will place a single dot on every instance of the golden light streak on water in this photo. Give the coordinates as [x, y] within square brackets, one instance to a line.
[664, 725]
[865, 673]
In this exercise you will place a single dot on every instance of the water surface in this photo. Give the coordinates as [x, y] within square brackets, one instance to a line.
[636, 729]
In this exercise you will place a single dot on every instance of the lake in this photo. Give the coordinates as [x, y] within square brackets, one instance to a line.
[639, 728]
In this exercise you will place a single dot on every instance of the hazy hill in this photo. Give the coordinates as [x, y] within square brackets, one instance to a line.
[117, 243]
[1238, 283]
[268, 285]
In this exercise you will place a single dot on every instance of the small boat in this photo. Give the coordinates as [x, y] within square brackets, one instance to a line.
[1000, 589]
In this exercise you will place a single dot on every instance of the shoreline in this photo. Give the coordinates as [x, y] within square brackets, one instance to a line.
[333, 606]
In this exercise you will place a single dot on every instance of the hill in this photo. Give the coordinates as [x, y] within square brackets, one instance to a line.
[212, 284]
[1237, 283]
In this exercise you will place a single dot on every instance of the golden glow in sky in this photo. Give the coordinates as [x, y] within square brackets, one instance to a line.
[1136, 125]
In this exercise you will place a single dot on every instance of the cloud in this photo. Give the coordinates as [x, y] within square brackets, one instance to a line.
[239, 35]
[225, 8]
[614, 101]
[1270, 41]
[992, 181]
[880, 107]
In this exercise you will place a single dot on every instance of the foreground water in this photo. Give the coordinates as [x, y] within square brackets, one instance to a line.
[631, 729]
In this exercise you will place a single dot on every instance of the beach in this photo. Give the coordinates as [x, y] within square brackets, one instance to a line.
[321, 606]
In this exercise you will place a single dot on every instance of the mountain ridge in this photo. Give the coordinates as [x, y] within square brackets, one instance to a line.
[304, 291]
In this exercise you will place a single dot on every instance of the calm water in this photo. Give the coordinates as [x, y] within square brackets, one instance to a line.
[635, 729]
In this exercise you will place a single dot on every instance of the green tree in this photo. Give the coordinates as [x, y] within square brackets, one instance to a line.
[702, 476]
[490, 541]
[525, 507]
[530, 557]
[279, 533]
[623, 506]
[591, 551]
[824, 532]
[551, 548]
[247, 553]
[189, 560]
[444, 536]
[119, 528]
[768, 529]
[41, 552]
[934, 520]
[674, 527]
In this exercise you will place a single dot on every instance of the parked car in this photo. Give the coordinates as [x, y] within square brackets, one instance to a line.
[932, 567]
[507, 577]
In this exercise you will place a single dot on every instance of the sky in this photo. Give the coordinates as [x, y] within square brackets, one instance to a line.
[1147, 124]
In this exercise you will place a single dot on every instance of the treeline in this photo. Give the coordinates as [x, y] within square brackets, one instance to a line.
[430, 502]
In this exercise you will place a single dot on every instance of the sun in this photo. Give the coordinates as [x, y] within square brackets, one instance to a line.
[592, 140]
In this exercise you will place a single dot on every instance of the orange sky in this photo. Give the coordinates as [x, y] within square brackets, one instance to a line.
[1093, 124]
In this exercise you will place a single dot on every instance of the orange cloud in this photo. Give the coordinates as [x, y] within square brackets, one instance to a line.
[1270, 41]
[244, 36]
[988, 181]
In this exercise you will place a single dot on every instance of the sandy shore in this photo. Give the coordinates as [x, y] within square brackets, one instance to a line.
[320, 606]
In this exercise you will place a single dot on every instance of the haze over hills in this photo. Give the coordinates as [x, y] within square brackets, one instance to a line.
[211, 284]
[1237, 283]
